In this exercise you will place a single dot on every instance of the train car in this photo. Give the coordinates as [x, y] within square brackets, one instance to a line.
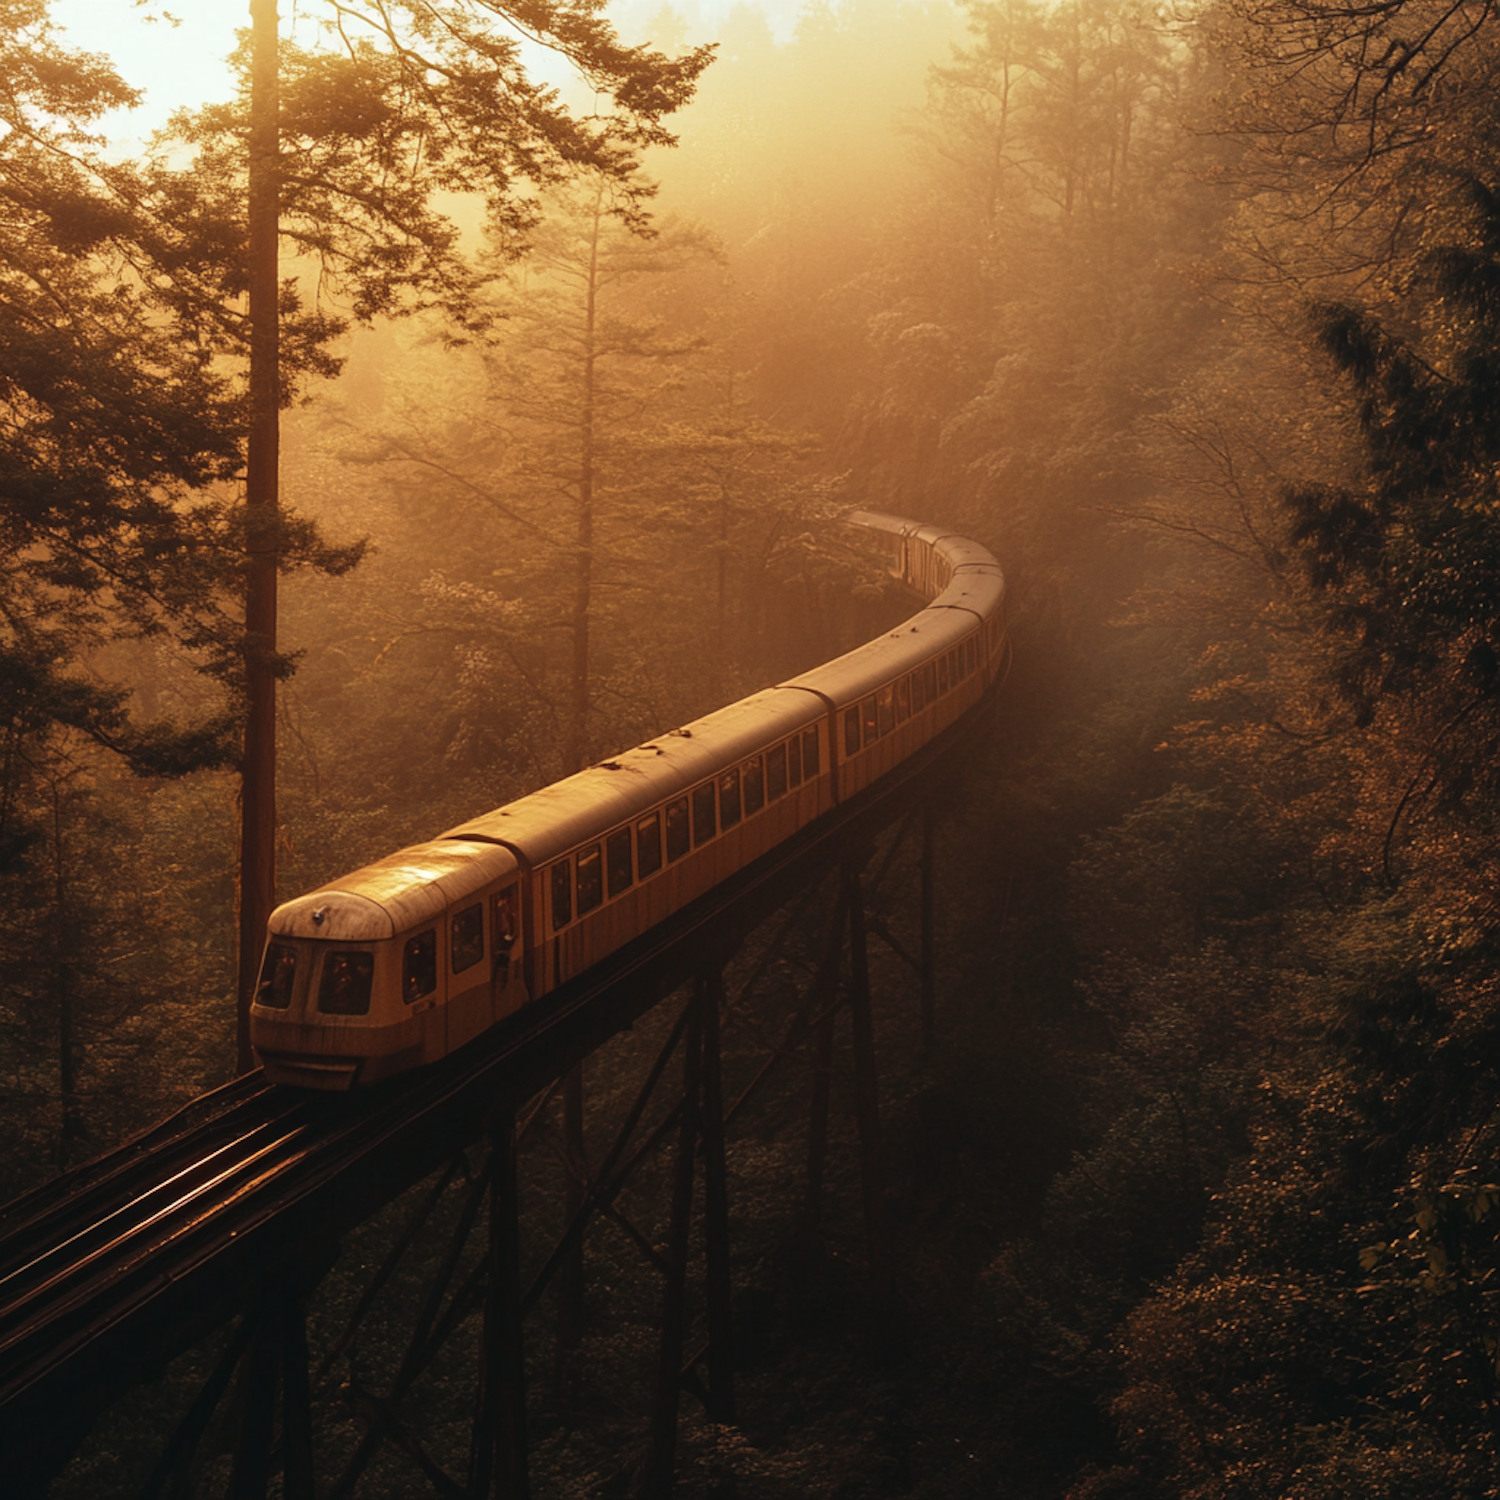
[401, 962]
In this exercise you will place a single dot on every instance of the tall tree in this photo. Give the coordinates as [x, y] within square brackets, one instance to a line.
[113, 416]
[347, 146]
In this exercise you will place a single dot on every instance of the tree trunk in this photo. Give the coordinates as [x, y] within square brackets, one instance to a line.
[583, 557]
[61, 983]
[262, 530]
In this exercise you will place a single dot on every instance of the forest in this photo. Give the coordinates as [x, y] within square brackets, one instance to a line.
[1189, 312]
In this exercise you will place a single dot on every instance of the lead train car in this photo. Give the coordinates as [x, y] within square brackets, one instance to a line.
[407, 959]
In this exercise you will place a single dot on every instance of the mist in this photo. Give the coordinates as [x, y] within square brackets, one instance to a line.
[1186, 315]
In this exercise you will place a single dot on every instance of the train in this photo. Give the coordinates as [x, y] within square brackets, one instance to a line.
[404, 961]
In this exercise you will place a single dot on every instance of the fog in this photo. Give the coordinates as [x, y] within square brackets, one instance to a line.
[1186, 313]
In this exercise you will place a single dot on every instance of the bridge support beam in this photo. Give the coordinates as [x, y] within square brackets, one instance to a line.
[824, 1007]
[297, 1481]
[570, 1283]
[276, 1334]
[720, 1403]
[928, 952]
[498, 1461]
[662, 1450]
[867, 1103]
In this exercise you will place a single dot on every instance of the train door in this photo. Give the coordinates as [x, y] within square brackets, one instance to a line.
[424, 988]
[469, 1003]
[508, 965]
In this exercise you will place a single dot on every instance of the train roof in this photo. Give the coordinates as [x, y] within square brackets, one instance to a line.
[938, 628]
[552, 820]
[960, 551]
[976, 588]
[395, 894]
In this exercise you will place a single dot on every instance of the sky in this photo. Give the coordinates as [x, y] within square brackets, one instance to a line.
[175, 65]
[183, 63]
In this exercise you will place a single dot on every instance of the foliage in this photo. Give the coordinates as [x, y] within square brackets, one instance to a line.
[407, 101]
[112, 417]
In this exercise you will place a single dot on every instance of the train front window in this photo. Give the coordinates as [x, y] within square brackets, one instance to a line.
[590, 879]
[345, 986]
[729, 799]
[703, 813]
[419, 966]
[648, 845]
[617, 861]
[467, 937]
[562, 894]
[278, 972]
[754, 783]
[775, 773]
[679, 839]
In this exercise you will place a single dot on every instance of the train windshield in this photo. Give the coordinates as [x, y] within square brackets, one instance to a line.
[278, 973]
[345, 990]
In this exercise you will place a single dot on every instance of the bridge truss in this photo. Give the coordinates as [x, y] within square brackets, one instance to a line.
[257, 1245]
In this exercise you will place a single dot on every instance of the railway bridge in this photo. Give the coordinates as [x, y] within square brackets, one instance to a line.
[209, 1260]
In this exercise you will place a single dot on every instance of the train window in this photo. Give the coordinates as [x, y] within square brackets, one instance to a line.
[418, 967]
[345, 986]
[648, 845]
[809, 753]
[677, 828]
[851, 731]
[277, 972]
[942, 674]
[918, 695]
[929, 682]
[754, 781]
[903, 700]
[617, 861]
[794, 761]
[870, 719]
[776, 772]
[466, 934]
[971, 655]
[704, 827]
[562, 893]
[729, 799]
[590, 879]
[885, 709]
[504, 923]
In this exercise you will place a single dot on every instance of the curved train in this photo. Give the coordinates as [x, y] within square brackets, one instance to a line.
[407, 959]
